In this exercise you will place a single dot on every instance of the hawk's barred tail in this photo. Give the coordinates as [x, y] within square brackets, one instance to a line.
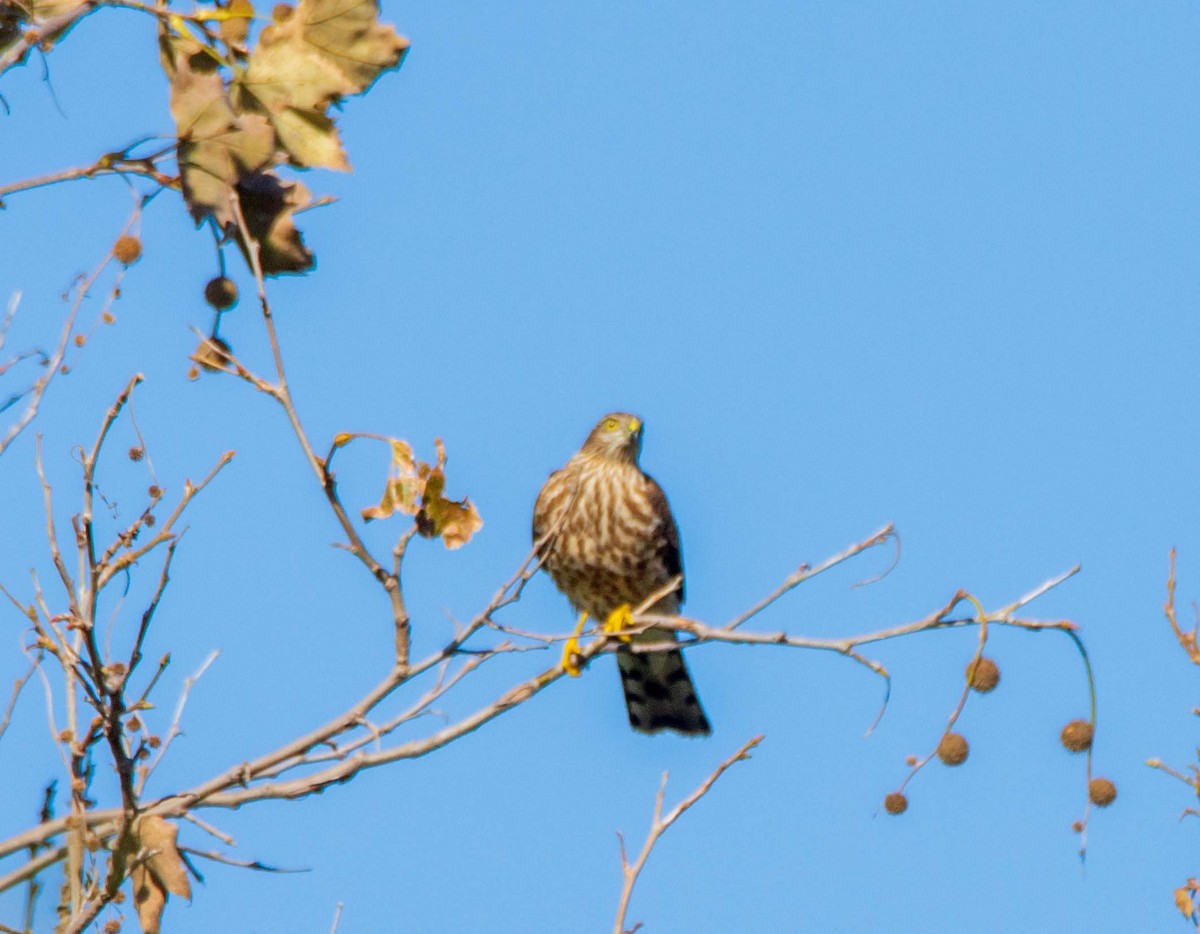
[659, 692]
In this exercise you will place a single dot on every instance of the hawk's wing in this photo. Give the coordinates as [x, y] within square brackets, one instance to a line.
[669, 548]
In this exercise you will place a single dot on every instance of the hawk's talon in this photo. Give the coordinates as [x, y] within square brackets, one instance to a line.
[570, 656]
[570, 659]
[618, 621]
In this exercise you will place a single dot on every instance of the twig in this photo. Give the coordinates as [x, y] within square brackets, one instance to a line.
[174, 731]
[240, 863]
[390, 581]
[48, 31]
[1187, 640]
[804, 573]
[659, 825]
[53, 366]
[225, 838]
[18, 685]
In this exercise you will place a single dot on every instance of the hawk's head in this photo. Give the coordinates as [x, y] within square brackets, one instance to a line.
[617, 436]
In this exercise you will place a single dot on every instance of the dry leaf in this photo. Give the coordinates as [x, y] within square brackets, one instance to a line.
[162, 872]
[456, 521]
[150, 898]
[268, 204]
[416, 489]
[324, 51]
[404, 485]
[212, 355]
[1184, 902]
[217, 147]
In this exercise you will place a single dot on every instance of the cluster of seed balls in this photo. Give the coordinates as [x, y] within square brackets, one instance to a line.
[983, 676]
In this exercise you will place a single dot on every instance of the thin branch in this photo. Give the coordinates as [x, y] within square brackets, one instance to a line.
[804, 573]
[53, 366]
[240, 863]
[282, 393]
[174, 731]
[250, 781]
[165, 533]
[32, 868]
[18, 685]
[659, 825]
[49, 31]
[1187, 640]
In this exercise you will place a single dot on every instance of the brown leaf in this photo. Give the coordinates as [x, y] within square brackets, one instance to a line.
[324, 51]
[213, 355]
[456, 521]
[268, 204]
[415, 488]
[162, 872]
[217, 147]
[150, 898]
[166, 864]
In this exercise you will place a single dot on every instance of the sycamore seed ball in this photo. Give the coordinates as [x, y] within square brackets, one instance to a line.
[1102, 792]
[1077, 736]
[895, 803]
[953, 749]
[983, 675]
[127, 249]
[221, 293]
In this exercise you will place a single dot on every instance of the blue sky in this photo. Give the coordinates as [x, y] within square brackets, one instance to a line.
[853, 263]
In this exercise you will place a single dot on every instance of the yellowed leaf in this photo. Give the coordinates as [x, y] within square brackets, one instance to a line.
[1184, 902]
[217, 146]
[405, 485]
[402, 455]
[304, 65]
[342, 438]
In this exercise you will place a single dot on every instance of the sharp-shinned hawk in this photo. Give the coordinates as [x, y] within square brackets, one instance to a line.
[617, 543]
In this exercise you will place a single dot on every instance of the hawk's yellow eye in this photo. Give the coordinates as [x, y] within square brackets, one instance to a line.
[610, 424]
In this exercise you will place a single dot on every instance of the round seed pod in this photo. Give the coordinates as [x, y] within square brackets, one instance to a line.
[983, 675]
[1102, 792]
[953, 749]
[1076, 736]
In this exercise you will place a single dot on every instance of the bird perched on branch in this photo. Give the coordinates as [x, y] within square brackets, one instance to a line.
[615, 543]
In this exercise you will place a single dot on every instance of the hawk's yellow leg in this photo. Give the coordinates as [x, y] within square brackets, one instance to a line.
[618, 621]
[571, 649]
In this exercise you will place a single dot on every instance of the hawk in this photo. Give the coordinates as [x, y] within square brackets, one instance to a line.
[616, 544]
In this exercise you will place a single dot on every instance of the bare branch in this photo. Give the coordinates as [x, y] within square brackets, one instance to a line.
[18, 685]
[54, 364]
[32, 868]
[659, 825]
[804, 573]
